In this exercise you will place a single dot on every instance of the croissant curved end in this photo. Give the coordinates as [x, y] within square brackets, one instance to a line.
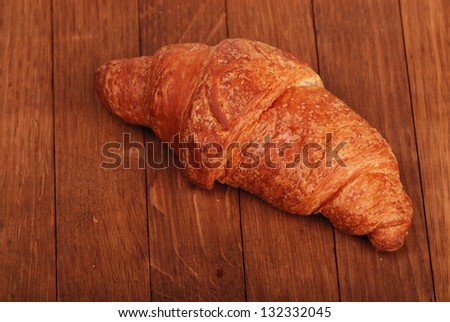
[121, 87]
[389, 239]
[392, 237]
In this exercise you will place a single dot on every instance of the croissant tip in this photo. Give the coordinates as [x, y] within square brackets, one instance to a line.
[121, 86]
[100, 84]
[389, 239]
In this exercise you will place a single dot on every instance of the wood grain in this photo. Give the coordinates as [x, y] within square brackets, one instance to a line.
[95, 245]
[287, 258]
[196, 252]
[362, 61]
[102, 235]
[27, 226]
[427, 38]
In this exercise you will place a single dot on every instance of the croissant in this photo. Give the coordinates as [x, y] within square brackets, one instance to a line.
[322, 156]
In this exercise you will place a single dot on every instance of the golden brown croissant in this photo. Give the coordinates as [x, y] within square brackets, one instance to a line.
[292, 142]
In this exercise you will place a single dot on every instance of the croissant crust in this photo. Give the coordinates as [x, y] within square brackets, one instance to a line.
[247, 94]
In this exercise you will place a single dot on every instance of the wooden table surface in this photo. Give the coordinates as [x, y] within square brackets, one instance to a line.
[70, 230]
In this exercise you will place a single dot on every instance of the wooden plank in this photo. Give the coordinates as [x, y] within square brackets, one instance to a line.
[101, 214]
[362, 61]
[426, 31]
[27, 225]
[196, 252]
[287, 258]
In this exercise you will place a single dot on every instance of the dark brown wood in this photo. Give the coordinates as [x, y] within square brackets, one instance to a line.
[102, 238]
[27, 225]
[362, 61]
[287, 258]
[426, 29]
[196, 252]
